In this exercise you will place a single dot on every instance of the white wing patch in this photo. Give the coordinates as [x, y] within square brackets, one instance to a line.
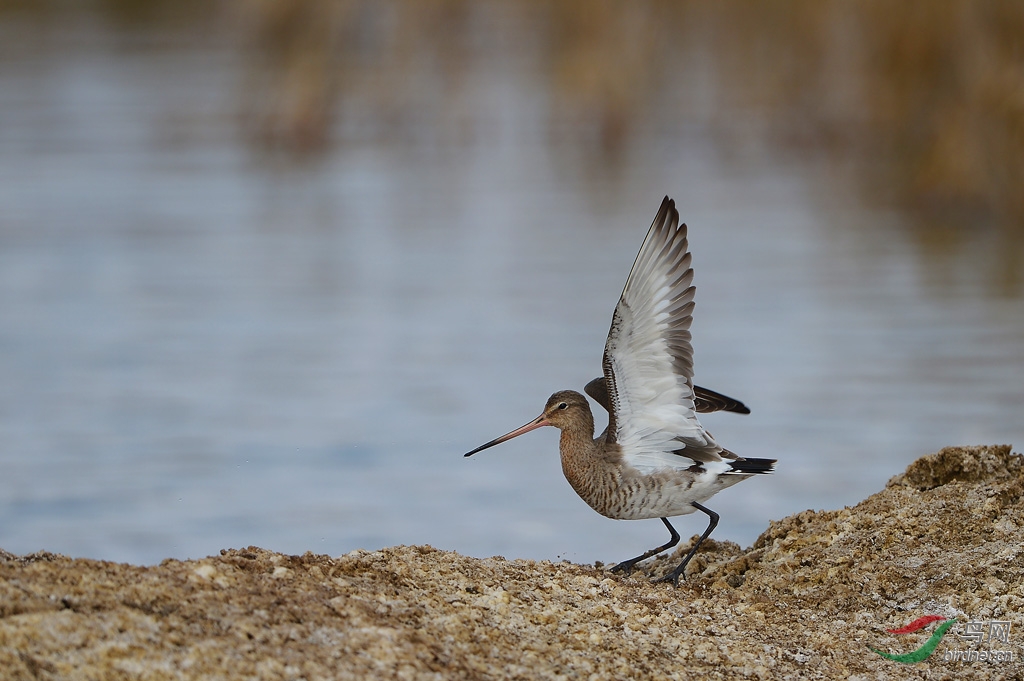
[649, 360]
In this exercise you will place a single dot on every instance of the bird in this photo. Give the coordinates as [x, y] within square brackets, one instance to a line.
[654, 459]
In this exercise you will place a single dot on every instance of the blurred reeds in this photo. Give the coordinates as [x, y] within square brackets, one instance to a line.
[924, 99]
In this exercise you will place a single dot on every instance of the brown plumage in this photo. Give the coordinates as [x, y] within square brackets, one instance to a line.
[654, 460]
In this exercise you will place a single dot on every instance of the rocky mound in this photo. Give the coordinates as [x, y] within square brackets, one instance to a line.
[810, 599]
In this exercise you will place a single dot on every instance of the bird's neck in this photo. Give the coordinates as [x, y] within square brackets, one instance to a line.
[588, 465]
[577, 442]
[578, 436]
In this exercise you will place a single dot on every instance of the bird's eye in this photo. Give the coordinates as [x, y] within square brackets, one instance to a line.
[563, 405]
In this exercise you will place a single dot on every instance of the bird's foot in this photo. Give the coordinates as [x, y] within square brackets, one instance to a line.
[671, 577]
[626, 566]
[676, 574]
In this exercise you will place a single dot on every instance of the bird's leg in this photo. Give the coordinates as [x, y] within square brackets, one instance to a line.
[674, 575]
[627, 565]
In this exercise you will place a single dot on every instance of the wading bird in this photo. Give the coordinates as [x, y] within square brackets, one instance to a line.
[654, 460]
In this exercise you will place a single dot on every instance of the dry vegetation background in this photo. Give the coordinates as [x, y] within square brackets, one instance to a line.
[922, 101]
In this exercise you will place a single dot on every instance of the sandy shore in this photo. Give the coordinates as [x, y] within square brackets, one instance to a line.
[808, 600]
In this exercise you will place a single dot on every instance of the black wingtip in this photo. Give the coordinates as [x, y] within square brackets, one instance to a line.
[598, 390]
[707, 401]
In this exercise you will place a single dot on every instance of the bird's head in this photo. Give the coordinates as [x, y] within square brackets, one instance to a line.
[564, 409]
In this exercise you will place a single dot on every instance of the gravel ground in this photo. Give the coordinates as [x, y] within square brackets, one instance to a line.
[809, 600]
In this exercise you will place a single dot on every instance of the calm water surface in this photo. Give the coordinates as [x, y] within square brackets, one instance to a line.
[202, 347]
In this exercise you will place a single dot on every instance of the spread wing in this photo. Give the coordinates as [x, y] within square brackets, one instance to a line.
[704, 400]
[648, 359]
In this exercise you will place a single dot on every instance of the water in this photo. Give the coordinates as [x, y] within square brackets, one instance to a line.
[204, 347]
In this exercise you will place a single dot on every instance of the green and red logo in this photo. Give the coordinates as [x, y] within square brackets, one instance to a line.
[925, 650]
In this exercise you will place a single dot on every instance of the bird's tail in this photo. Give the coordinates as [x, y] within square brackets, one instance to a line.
[752, 466]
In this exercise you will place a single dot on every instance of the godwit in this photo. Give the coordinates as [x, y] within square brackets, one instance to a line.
[654, 460]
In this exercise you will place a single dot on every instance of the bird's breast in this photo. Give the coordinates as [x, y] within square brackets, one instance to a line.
[615, 489]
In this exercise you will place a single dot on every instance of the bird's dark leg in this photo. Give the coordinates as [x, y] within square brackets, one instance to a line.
[627, 565]
[674, 575]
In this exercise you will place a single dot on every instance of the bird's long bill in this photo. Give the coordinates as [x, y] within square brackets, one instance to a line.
[532, 425]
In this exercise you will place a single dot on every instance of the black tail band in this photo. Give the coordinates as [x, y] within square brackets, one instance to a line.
[753, 466]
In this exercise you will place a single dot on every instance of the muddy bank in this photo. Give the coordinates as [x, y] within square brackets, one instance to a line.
[808, 599]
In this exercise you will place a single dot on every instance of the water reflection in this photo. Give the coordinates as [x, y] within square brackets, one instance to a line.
[240, 305]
